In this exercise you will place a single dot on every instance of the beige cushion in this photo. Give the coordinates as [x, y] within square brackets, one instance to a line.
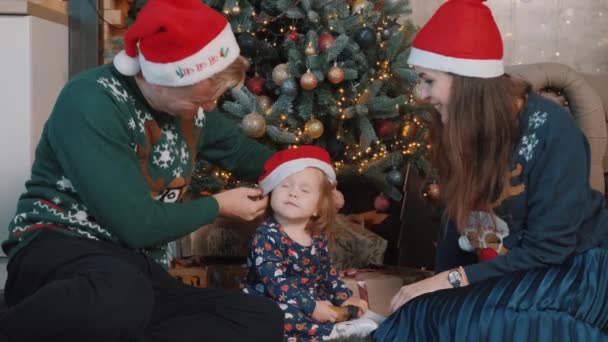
[599, 82]
[583, 100]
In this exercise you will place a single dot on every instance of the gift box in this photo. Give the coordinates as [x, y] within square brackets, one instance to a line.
[378, 287]
[210, 272]
[351, 245]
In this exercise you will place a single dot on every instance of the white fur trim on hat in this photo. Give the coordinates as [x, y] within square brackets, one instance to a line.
[126, 65]
[208, 61]
[483, 68]
[465, 244]
[288, 168]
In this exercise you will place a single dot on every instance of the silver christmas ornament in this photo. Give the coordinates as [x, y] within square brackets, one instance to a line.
[280, 74]
[394, 177]
[254, 125]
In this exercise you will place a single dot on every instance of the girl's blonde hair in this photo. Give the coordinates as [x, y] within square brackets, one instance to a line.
[326, 209]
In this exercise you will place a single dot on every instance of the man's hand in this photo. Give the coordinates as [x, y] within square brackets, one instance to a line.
[323, 312]
[243, 203]
[358, 302]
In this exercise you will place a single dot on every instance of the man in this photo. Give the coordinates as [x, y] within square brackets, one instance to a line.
[117, 153]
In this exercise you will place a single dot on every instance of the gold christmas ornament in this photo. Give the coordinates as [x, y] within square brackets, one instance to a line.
[314, 128]
[434, 192]
[280, 74]
[236, 9]
[309, 81]
[335, 74]
[254, 125]
[266, 103]
[310, 50]
[359, 5]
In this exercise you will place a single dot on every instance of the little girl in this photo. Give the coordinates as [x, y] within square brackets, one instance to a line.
[288, 259]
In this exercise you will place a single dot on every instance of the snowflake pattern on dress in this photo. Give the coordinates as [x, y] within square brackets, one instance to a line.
[115, 87]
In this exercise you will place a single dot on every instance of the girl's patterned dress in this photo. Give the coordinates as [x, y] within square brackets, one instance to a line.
[295, 276]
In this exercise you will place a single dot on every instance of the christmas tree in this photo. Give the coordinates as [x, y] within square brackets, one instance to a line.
[332, 73]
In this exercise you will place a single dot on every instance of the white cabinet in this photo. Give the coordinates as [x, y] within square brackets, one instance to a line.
[33, 69]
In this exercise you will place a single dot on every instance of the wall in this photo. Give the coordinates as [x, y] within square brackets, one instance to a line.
[33, 70]
[574, 32]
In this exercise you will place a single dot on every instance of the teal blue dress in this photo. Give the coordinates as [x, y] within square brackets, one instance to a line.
[552, 283]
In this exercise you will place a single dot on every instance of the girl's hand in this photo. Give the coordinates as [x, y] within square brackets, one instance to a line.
[323, 312]
[358, 302]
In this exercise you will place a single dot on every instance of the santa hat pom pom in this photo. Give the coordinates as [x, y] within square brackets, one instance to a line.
[465, 244]
[126, 65]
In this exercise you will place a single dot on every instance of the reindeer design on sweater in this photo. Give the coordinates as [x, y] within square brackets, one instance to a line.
[485, 232]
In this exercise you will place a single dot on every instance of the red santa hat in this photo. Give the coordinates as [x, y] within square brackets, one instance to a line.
[287, 162]
[177, 43]
[461, 38]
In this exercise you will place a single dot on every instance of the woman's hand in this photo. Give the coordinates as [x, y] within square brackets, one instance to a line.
[323, 312]
[432, 284]
[243, 203]
[358, 302]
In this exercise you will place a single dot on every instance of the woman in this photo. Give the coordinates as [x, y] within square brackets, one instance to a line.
[513, 168]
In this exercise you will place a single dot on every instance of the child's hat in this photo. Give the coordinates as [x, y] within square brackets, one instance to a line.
[460, 38]
[177, 43]
[287, 162]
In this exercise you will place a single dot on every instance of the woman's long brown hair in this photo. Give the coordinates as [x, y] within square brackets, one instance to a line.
[472, 150]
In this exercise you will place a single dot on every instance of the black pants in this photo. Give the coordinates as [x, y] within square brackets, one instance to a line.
[64, 288]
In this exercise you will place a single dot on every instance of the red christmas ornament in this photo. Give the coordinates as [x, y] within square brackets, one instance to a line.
[326, 41]
[486, 254]
[293, 35]
[381, 203]
[385, 128]
[256, 85]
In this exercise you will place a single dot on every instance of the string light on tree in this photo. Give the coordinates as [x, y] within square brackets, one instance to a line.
[265, 103]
